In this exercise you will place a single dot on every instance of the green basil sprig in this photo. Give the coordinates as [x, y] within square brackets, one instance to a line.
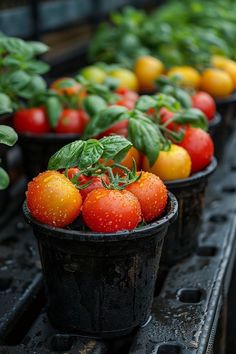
[104, 119]
[87, 153]
[94, 104]
[145, 102]
[7, 137]
[191, 116]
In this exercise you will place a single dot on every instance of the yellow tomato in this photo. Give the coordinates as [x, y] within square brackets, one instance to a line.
[228, 65]
[219, 61]
[216, 82]
[170, 165]
[189, 76]
[127, 79]
[148, 69]
[94, 74]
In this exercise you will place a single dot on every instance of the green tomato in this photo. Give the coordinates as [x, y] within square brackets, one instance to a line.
[94, 74]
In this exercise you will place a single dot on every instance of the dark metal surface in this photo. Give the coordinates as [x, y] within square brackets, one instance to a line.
[188, 302]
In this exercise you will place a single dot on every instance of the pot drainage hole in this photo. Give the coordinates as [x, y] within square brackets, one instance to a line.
[207, 251]
[218, 218]
[191, 295]
[5, 283]
[168, 349]
[229, 189]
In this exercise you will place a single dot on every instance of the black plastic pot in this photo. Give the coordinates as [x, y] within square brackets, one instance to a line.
[227, 109]
[182, 237]
[101, 285]
[214, 126]
[37, 149]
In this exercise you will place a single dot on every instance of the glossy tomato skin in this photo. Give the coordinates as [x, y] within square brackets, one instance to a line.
[165, 116]
[83, 117]
[111, 210]
[95, 181]
[205, 103]
[132, 154]
[200, 147]
[70, 122]
[120, 128]
[53, 200]
[170, 165]
[152, 195]
[127, 98]
[31, 120]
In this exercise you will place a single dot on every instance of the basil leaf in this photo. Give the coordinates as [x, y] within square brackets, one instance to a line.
[4, 179]
[36, 67]
[167, 101]
[181, 95]
[16, 46]
[144, 103]
[145, 136]
[192, 116]
[91, 153]
[8, 135]
[36, 86]
[105, 119]
[115, 147]
[18, 80]
[66, 157]
[54, 109]
[38, 47]
[5, 104]
[94, 104]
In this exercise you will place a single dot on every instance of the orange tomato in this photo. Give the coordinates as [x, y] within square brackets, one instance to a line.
[133, 153]
[148, 69]
[66, 86]
[170, 165]
[216, 82]
[189, 77]
[151, 193]
[53, 200]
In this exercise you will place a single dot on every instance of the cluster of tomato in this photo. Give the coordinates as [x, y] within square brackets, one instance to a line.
[54, 200]
[219, 79]
[72, 120]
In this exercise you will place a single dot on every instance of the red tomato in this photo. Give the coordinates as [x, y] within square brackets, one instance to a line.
[165, 116]
[70, 122]
[53, 200]
[205, 103]
[83, 117]
[111, 210]
[127, 99]
[120, 128]
[95, 181]
[32, 120]
[125, 102]
[200, 147]
[152, 195]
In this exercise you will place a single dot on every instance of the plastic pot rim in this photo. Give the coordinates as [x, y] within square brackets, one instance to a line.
[193, 179]
[46, 137]
[215, 120]
[226, 100]
[89, 236]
